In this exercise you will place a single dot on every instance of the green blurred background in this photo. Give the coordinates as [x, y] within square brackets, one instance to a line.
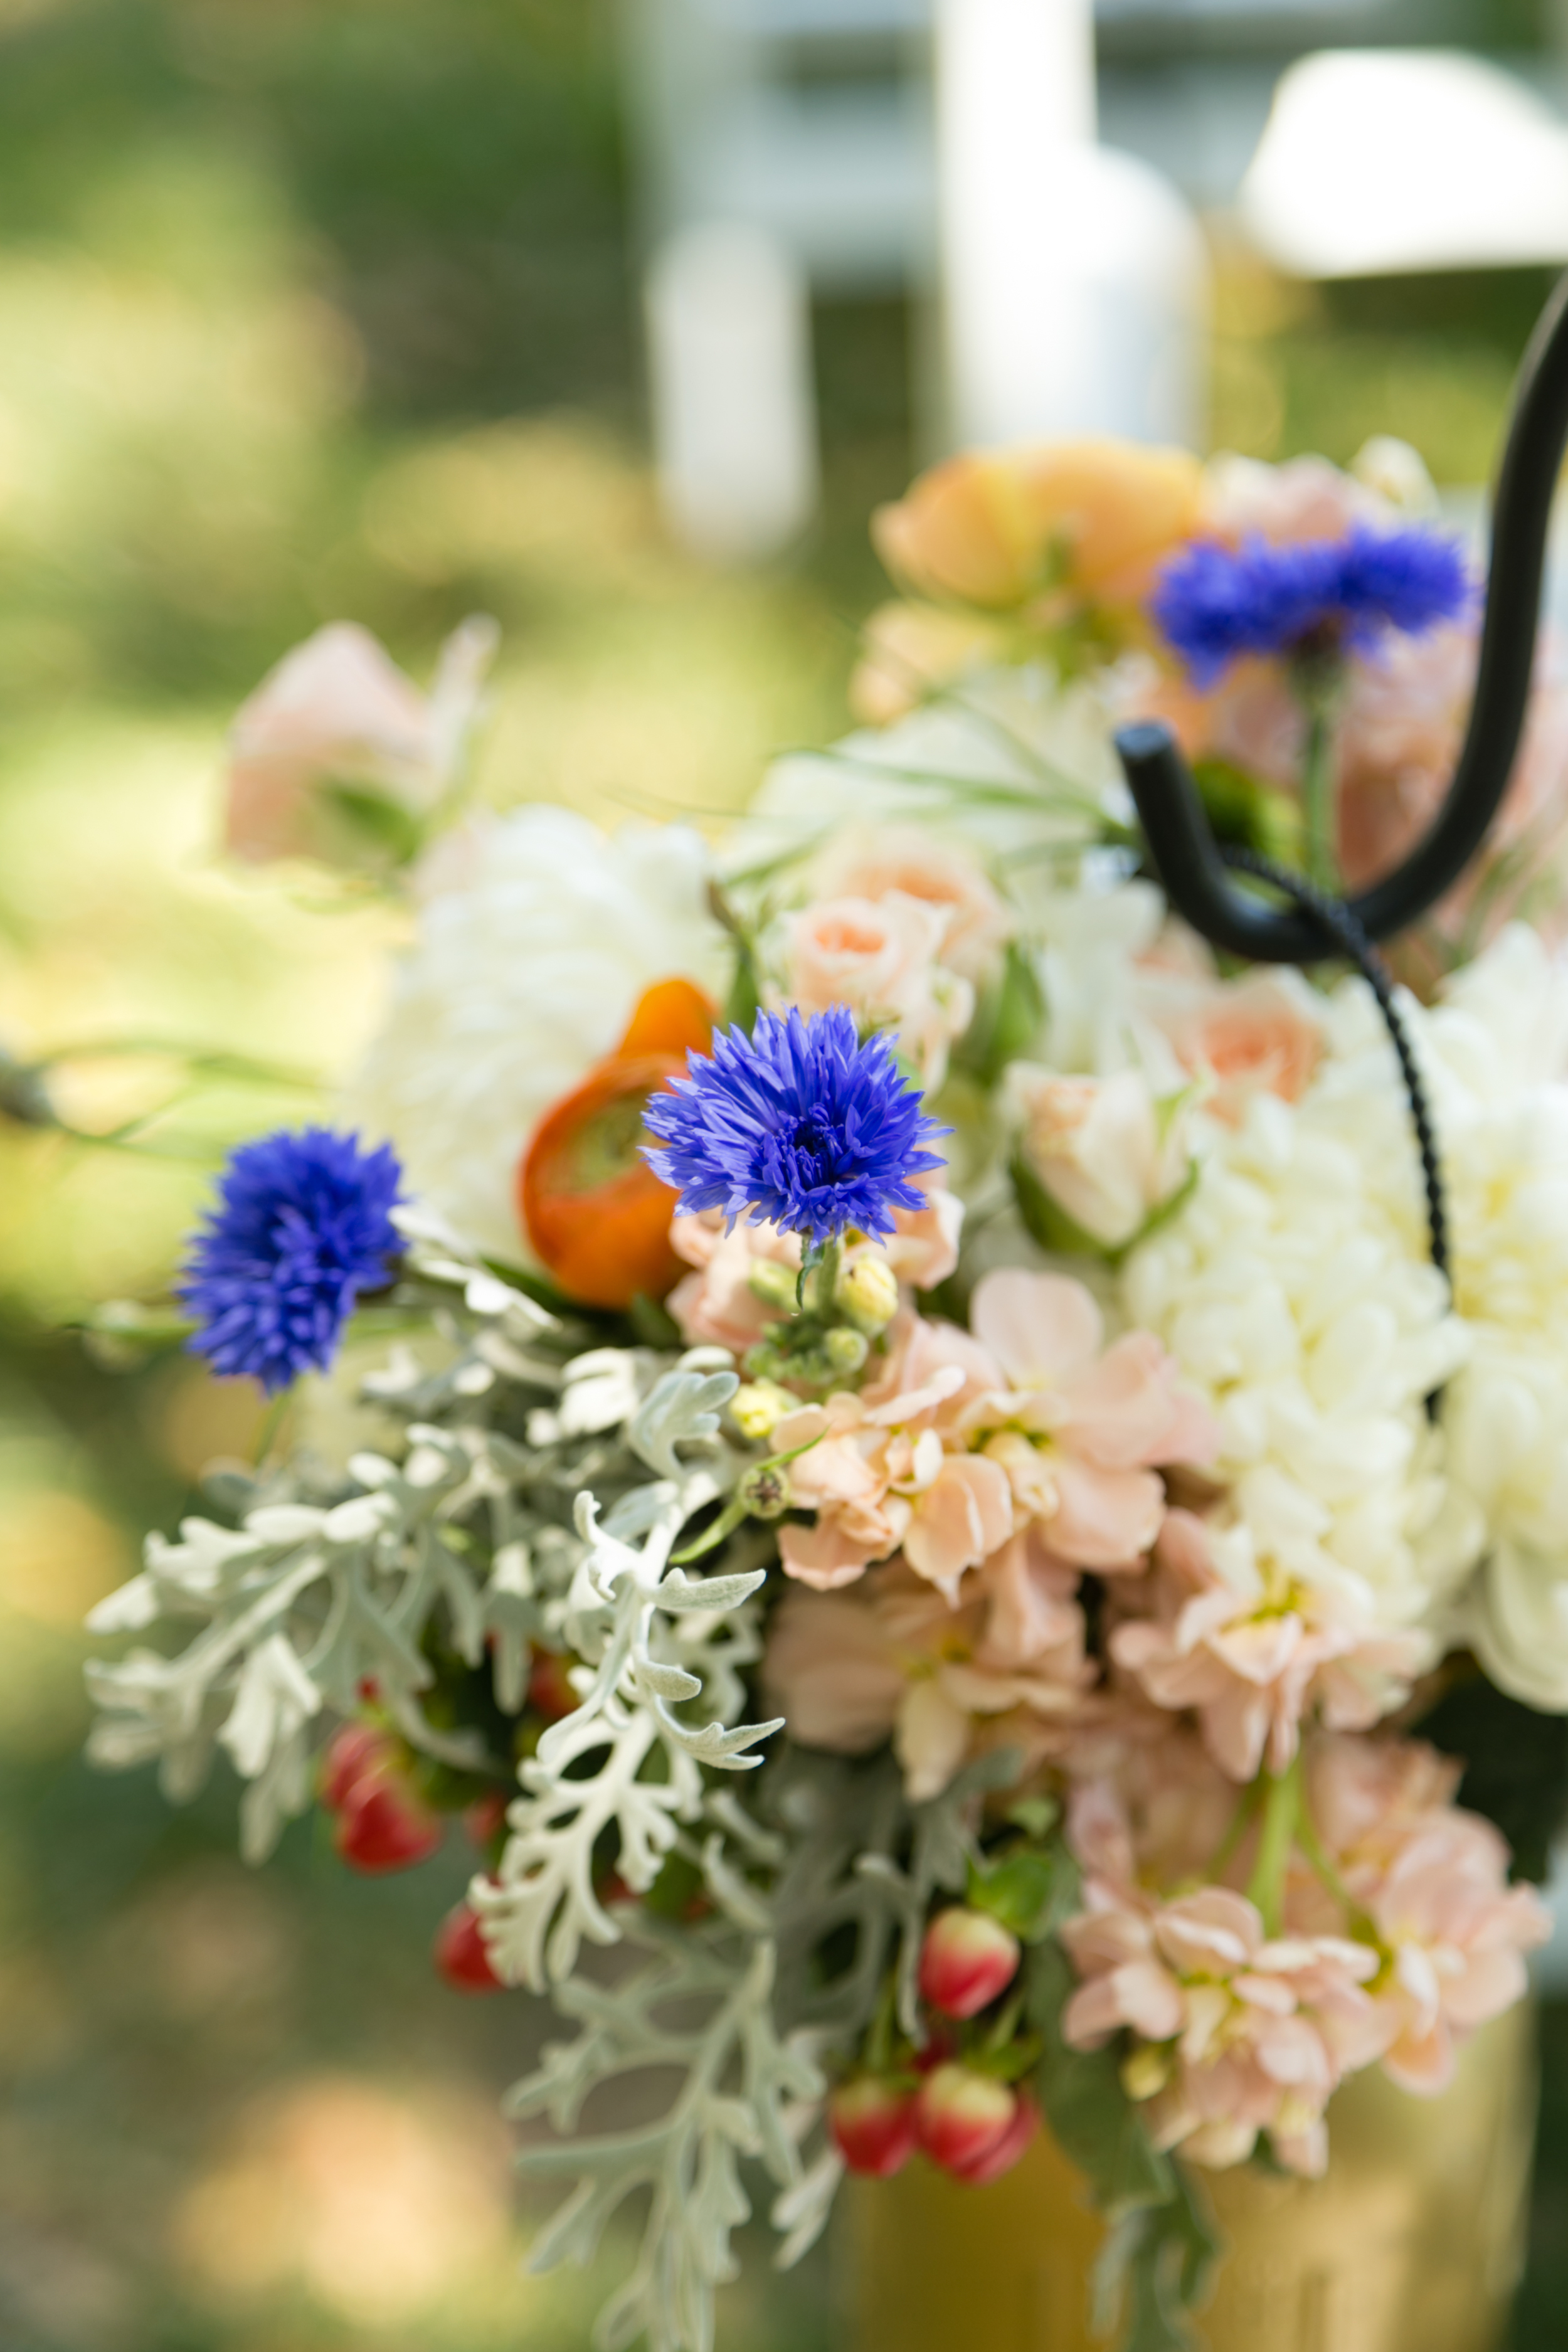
[319, 308]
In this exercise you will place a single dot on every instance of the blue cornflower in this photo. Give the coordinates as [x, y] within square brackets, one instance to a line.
[302, 1227]
[1216, 603]
[799, 1124]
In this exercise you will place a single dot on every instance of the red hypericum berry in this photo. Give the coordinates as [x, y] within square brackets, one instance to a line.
[960, 2115]
[460, 1955]
[386, 1824]
[548, 1688]
[873, 2124]
[966, 1961]
[351, 1753]
[1004, 2152]
[486, 1818]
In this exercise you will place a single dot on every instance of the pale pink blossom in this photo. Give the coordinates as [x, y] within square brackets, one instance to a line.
[893, 1659]
[1078, 1430]
[716, 1306]
[1252, 1655]
[337, 711]
[1305, 499]
[1104, 1150]
[879, 862]
[1458, 1933]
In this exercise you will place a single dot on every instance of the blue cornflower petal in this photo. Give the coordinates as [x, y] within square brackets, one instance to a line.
[302, 1227]
[800, 1124]
[1216, 603]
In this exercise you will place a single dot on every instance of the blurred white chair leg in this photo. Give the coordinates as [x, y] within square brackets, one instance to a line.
[1075, 280]
[735, 422]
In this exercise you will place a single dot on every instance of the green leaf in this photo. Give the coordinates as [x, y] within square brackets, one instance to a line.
[1096, 2123]
[1006, 1020]
[1018, 1891]
[1156, 2267]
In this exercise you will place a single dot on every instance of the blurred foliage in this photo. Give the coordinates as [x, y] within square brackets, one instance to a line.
[311, 307]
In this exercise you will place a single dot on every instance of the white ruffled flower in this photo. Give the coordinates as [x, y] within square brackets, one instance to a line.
[1495, 1057]
[527, 967]
[1311, 1323]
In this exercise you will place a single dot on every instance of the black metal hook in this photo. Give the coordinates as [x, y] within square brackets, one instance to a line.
[1180, 838]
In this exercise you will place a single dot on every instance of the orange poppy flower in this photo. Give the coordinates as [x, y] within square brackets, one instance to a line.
[596, 1214]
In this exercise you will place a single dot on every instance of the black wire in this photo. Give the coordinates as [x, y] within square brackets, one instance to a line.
[1333, 916]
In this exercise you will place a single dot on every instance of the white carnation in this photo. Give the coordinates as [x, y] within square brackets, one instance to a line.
[1315, 1329]
[525, 971]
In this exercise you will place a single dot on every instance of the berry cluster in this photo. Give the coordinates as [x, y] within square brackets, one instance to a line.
[959, 2099]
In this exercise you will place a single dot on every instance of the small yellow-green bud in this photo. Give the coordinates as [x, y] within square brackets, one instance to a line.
[765, 1491]
[773, 1284]
[757, 1409]
[868, 1295]
[1146, 2072]
[845, 1350]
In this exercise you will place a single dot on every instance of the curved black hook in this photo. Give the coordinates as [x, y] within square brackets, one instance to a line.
[1175, 825]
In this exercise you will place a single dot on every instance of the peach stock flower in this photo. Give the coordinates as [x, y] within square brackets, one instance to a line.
[960, 1442]
[847, 1670]
[1433, 1881]
[337, 711]
[1252, 2032]
[1254, 1654]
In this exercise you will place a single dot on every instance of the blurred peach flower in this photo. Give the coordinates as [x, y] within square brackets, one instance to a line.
[1253, 2031]
[1089, 520]
[338, 712]
[911, 651]
[1254, 1656]
[847, 1670]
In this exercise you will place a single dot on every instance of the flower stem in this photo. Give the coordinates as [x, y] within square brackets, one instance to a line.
[823, 1262]
[1282, 1815]
[1316, 684]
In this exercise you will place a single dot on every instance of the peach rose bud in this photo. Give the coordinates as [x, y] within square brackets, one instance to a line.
[1103, 1150]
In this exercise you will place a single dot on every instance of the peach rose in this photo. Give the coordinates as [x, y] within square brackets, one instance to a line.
[998, 529]
[1257, 1035]
[881, 862]
[338, 712]
[881, 958]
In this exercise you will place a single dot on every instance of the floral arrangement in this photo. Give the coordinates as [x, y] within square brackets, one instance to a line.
[921, 1494]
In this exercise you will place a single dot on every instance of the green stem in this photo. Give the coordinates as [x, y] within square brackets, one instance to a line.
[822, 1264]
[1240, 1822]
[1316, 692]
[1282, 1816]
